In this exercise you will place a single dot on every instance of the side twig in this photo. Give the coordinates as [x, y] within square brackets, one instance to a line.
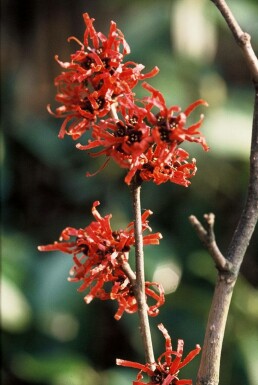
[207, 236]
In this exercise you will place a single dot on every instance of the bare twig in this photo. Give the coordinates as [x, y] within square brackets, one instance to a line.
[207, 236]
[140, 276]
[242, 38]
[211, 353]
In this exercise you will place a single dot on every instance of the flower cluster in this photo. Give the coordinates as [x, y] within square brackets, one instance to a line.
[95, 79]
[148, 143]
[142, 136]
[166, 370]
[100, 256]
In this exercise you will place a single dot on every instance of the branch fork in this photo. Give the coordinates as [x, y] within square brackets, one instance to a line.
[207, 236]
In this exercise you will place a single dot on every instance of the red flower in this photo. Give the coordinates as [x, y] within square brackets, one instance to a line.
[143, 142]
[169, 124]
[122, 139]
[161, 165]
[99, 254]
[94, 78]
[165, 371]
[122, 291]
[143, 135]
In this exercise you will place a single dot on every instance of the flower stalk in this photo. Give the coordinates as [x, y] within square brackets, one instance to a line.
[140, 274]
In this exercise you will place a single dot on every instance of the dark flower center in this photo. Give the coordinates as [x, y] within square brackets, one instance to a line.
[133, 120]
[164, 134]
[120, 279]
[173, 123]
[100, 101]
[85, 249]
[148, 166]
[121, 130]
[127, 130]
[87, 106]
[134, 136]
[166, 126]
[126, 248]
[161, 120]
[88, 61]
[106, 63]
[116, 235]
[99, 51]
[158, 377]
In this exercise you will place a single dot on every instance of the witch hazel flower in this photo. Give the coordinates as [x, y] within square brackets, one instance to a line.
[99, 256]
[165, 371]
[123, 138]
[146, 143]
[169, 124]
[123, 292]
[94, 78]
[143, 136]
[164, 160]
[161, 165]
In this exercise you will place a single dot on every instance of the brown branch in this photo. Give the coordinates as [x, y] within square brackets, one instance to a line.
[249, 216]
[242, 38]
[211, 353]
[207, 236]
[139, 287]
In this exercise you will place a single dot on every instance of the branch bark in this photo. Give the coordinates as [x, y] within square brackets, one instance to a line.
[211, 353]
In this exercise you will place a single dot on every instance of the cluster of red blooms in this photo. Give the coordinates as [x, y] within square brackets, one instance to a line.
[99, 256]
[165, 371]
[95, 79]
[142, 136]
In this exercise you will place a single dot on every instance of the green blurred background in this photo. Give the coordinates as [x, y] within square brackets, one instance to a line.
[49, 336]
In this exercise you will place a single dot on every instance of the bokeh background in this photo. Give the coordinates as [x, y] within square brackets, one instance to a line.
[49, 336]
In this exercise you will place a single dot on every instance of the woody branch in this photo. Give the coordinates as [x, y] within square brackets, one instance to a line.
[228, 266]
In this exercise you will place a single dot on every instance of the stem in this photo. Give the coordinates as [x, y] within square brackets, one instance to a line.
[249, 214]
[138, 280]
[140, 276]
[211, 353]
[210, 362]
